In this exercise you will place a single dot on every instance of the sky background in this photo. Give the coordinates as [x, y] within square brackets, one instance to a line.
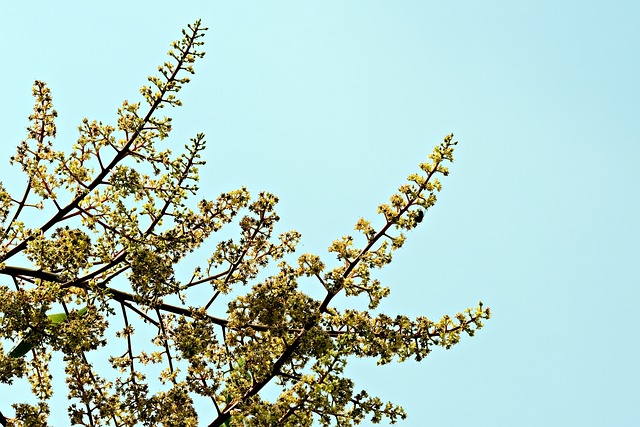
[330, 105]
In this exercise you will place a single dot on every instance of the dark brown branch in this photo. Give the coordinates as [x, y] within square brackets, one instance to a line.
[129, 346]
[166, 344]
[117, 295]
[125, 298]
[28, 272]
[21, 206]
[144, 316]
[206, 279]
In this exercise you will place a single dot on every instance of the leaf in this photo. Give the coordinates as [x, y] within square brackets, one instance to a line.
[26, 344]
[22, 348]
[57, 318]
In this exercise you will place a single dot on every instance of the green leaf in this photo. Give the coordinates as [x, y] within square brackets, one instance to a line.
[57, 318]
[22, 348]
[26, 344]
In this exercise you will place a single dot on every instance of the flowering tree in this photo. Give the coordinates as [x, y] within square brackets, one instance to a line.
[98, 264]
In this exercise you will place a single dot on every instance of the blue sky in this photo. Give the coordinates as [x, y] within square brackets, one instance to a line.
[330, 105]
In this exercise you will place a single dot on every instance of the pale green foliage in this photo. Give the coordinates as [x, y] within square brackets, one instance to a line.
[116, 220]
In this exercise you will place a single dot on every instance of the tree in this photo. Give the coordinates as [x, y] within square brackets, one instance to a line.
[118, 220]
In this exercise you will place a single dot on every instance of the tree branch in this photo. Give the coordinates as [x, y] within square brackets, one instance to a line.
[62, 212]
